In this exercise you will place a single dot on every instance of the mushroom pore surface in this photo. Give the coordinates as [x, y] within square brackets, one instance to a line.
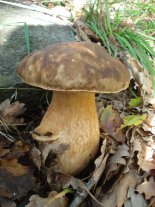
[72, 120]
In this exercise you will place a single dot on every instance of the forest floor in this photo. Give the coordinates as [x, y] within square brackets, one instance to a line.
[123, 173]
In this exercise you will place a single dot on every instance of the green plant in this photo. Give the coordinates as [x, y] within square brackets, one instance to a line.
[25, 30]
[116, 34]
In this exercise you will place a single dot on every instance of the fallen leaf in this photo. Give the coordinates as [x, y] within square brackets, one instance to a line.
[51, 201]
[3, 152]
[17, 150]
[133, 120]
[79, 26]
[127, 23]
[110, 122]
[108, 200]
[14, 173]
[127, 181]
[106, 113]
[5, 146]
[153, 203]
[147, 187]
[117, 100]
[16, 179]
[141, 76]
[99, 159]
[135, 199]
[134, 102]
[144, 154]
[50, 152]
[119, 158]
[60, 180]
[83, 31]
[10, 111]
[118, 195]
[149, 124]
[36, 157]
[100, 164]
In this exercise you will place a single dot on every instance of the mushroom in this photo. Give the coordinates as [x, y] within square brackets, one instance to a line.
[74, 71]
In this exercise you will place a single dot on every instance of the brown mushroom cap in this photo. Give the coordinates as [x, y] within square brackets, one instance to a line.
[74, 66]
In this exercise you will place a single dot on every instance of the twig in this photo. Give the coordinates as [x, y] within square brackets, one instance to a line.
[9, 137]
[80, 196]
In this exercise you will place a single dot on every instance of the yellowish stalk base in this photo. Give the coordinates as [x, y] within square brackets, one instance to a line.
[71, 120]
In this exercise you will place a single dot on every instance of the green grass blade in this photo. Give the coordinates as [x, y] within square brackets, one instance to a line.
[125, 44]
[27, 39]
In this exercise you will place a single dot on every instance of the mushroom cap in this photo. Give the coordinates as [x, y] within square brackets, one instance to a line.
[74, 66]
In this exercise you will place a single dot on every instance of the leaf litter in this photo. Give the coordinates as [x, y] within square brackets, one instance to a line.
[122, 174]
[53, 200]
[10, 112]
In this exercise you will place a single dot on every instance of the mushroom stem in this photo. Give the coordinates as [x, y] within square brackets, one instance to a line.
[73, 120]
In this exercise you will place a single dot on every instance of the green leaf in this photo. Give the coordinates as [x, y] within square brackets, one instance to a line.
[57, 196]
[107, 113]
[27, 39]
[134, 102]
[133, 120]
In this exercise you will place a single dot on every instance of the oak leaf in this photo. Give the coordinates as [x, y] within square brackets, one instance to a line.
[147, 187]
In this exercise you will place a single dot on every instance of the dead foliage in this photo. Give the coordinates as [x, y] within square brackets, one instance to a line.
[122, 174]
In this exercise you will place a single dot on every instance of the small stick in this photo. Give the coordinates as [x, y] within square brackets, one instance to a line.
[80, 196]
[9, 137]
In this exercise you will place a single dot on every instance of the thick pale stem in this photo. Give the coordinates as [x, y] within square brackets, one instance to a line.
[72, 120]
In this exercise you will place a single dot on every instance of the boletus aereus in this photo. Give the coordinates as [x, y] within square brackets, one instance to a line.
[74, 71]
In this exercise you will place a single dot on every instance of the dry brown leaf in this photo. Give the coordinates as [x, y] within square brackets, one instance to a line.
[79, 26]
[51, 152]
[60, 180]
[17, 150]
[16, 179]
[127, 23]
[99, 159]
[140, 75]
[3, 152]
[127, 181]
[9, 112]
[110, 122]
[143, 80]
[37, 201]
[153, 203]
[149, 124]
[5, 147]
[36, 157]
[108, 200]
[145, 154]
[100, 163]
[147, 187]
[145, 158]
[117, 100]
[84, 32]
[119, 158]
[118, 195]
[135, 199]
